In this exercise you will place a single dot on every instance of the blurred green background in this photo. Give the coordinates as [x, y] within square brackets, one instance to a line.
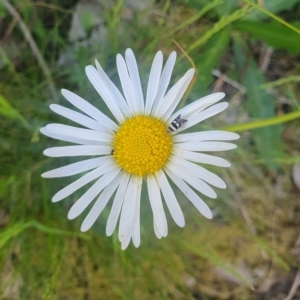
[250, 51]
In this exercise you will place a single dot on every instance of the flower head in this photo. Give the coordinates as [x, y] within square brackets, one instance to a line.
[143, 142]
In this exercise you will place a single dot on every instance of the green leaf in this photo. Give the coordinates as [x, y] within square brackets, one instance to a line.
[273, 34]
[272, 6]
[8, 111]
[227, 8]
[259, 104]
[10, 232]
[208, 59]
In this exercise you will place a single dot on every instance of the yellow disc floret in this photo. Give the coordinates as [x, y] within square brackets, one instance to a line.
[142, 145]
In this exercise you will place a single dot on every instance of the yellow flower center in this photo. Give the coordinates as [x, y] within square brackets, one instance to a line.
[142, 145]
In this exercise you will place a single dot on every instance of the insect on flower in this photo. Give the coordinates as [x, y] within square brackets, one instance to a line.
[176, 124]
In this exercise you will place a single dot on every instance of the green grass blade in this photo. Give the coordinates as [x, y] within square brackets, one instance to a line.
[281, 81]
[8, 111]
[197, 16]
[278, 19]
[14, 230]
[221, 24]
[263, 123]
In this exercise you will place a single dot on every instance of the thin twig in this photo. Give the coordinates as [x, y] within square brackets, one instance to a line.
[186, 55]
[187, 92]
[52, 6]
[265, 59]
[228, 80]
[9, 31]
[278, 96]
[294, 287]
[33, 47]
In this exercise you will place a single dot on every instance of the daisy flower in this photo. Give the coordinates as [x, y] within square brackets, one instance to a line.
[143, 142]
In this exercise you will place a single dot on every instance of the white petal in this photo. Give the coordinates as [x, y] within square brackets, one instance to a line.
[70, 139]
[201, 158]
[104, 92]
[125, 242]
[136, 236]
[77, 151]
[82, 203]
[74, 186]
[170, 198]
[89, 109]
[174, 95]
[71, 131]
[156, 231]
[164, 80]
[135, 79]
[196, 106]
[126, 84]
[192, 180]
[114, 91]
[159, 216]
[117, 205]
[205, 146]
[191, 195]
[127, 213]
[153, 81]
[212, 135]
[171, 104]
[79, 118]
[100, 204]
[209, 112]
[76, 168]
[199, 172]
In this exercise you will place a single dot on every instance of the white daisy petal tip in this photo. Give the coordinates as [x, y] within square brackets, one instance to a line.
[214, 196]
[85, 227]
[65, 92]
[45, 175]
[227, 164]
[129, 51]
[124, 245]
[217, 96]
[208, 215]
[88, 70]
[191, 72]
[108, 232]
[181, 224]
[235, 136]
[136, 245]
[42, 130]
[74, 213]
[55, 199]
[46, 151]
[222, 186]
[220, 94]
